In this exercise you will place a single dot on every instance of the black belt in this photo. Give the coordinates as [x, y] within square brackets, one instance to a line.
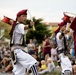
[13, 55]
[60, 51]
[19, 45]
[16, 45]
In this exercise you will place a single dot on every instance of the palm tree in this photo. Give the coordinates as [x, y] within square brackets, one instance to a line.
[41, 30]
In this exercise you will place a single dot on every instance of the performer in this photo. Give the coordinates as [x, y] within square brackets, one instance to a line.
[73, 27]
[23, 59]
[65, 65]
[60, 38]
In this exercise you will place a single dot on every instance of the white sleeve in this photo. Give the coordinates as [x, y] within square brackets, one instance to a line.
[57, 36]
[20, 28]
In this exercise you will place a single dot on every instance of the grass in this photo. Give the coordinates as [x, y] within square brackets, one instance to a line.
[53, 73]
[57, 71]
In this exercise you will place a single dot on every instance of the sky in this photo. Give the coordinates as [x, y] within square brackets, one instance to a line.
[48, 10]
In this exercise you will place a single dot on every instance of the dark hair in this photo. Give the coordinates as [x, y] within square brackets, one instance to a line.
[45, 36]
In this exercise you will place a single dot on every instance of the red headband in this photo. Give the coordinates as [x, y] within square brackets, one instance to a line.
[22, 12]
[62, 24]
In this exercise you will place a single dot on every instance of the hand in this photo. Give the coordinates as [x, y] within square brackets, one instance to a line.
[32, 23]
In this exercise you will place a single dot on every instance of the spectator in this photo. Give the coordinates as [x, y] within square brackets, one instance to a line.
[53, 52]
[41, 53]
[50, 66]
[46, 47]
[35, 40]
[6, 58]
[72, 51]
[31, 47]
[43, 65]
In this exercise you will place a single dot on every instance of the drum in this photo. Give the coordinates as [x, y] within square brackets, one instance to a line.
[68, 16]
[7, 20]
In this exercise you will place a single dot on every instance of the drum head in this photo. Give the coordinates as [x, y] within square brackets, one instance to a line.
[70, 14]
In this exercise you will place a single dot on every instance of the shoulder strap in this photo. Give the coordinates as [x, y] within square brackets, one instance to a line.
[11, 36]
[55, 40]
[65, 43]
[23, 41]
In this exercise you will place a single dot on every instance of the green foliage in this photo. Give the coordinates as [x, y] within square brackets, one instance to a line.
[57, 71]
[41, 30]
[6, 27]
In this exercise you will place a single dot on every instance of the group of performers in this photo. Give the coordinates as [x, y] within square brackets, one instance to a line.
[21, 59]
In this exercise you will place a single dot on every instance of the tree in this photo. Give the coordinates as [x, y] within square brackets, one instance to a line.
[6, 28]
[41, 30]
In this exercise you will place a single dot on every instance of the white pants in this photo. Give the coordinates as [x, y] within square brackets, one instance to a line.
[19, 69]
[24, 61]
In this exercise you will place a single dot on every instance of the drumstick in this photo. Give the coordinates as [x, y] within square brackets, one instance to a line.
[70, 14]
[31, 19]
[67, 26]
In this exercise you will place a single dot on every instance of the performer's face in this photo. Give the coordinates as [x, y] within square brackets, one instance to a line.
[22, 19]
[63, 28]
